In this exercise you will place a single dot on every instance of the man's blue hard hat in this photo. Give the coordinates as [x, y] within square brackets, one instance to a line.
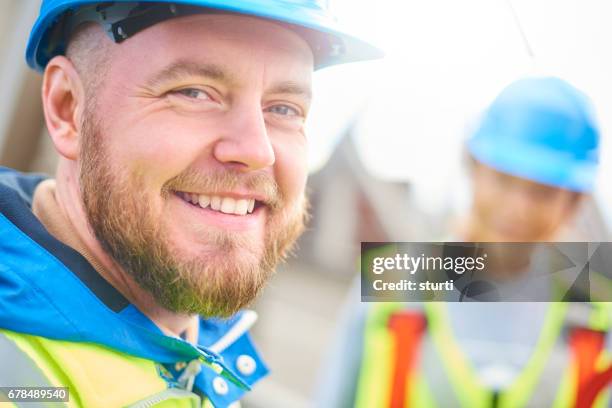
[540, 129]
[310, 18]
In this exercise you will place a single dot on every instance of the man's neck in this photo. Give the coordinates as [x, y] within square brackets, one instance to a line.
[68, 223]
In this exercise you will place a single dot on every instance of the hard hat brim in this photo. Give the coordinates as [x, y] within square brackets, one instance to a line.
[541, 165]
[310, 23]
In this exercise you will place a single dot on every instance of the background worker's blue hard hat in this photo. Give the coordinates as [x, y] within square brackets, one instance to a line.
[541, 129]
[310, 18]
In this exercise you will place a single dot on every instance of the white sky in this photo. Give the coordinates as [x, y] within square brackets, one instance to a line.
[446, 60]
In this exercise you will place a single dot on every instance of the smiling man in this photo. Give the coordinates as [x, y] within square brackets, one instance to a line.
[180, 185]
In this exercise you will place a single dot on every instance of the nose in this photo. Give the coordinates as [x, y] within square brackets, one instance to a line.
[517, 204]
[244, 142]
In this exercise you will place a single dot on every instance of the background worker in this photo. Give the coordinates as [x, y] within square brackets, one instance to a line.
[534, 157]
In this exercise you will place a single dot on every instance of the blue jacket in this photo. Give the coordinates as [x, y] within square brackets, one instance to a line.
[48, 289]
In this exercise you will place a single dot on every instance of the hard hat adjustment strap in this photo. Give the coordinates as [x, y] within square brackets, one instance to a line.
[151, 15]
[123, 20]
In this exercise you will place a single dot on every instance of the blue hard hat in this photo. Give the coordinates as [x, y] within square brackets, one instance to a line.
[540, 129]
[310, 18]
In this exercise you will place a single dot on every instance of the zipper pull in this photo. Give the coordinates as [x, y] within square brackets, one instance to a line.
[188, 375]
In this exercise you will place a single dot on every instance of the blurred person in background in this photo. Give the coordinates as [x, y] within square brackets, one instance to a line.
[180, 186]
[533, 159]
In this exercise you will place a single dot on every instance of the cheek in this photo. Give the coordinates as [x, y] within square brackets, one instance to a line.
[291, 167]
[158, 147]
[485, 203]
[549, 216]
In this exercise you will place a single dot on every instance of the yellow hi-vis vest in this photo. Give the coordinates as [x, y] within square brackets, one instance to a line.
[96, 376]
[441, 376]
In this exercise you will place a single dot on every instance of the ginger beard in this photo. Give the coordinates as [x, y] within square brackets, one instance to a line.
[217, 282]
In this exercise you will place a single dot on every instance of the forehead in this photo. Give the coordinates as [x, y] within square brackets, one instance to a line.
[243, 45]
[503, 179]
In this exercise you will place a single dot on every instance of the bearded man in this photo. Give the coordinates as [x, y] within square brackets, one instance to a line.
[179, 187]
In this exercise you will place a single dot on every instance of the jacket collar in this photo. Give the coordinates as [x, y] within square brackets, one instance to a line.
[48, 289]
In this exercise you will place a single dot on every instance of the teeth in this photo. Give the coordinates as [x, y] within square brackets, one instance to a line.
[204, 201]
[241, 207]
[225, 205]
[251, 205]
[228, 205]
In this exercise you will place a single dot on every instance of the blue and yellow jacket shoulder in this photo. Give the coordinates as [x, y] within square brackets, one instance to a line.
[63, 325]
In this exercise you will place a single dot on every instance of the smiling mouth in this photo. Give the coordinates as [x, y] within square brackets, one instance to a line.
[222, 204]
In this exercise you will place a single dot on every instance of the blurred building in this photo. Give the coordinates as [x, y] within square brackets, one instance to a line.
[350, 206]
[22, 142]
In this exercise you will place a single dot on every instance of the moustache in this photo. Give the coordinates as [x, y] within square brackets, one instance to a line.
[261, 185]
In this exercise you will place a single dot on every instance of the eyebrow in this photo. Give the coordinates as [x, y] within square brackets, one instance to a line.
[292, 88]
[184, 69]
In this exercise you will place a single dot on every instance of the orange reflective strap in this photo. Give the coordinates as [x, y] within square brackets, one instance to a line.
[587, 345]
[407, 328]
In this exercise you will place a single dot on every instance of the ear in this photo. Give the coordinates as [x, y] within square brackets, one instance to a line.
[63, 99]
[574, 202]
[466, 157]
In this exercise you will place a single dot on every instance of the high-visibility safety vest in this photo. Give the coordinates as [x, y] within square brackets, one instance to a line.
[410, 359]
[94, 376]
[63, 325]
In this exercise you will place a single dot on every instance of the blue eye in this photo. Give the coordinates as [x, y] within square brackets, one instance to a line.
[284, 110]
[193, 93]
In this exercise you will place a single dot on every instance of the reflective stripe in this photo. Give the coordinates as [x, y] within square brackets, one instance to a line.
[19, 370]
[534, 386]
[375, 375]
[590, 358]
[551, 378]
[169, 394]
[600, 316]
[432, 369]
[408, 328]
[459, 372]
